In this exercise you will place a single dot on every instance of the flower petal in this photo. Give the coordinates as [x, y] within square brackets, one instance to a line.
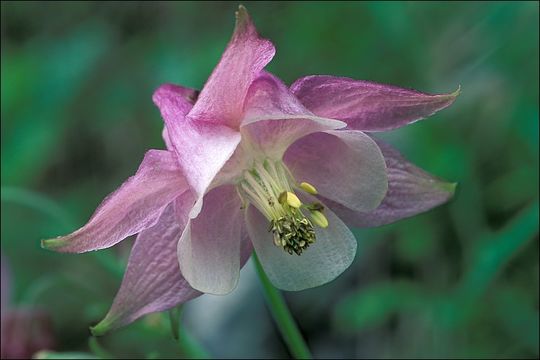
[345, 166]
[175, 109]
[135, 206]
[274, 118]
[366, 105]
[410, 191]
[209, 249]
[246, 55]
[152, 281]
[201, 148]
[322, 262]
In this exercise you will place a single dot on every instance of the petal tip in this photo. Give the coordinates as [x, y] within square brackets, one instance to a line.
[101, 328]
[53, 244]
[450, 188]
[453, 95]
[242, 17]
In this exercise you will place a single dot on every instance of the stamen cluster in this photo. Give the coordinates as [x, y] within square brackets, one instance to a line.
[269, 187]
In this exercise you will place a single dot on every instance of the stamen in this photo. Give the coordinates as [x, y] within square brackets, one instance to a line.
[296, 233]
[268, 185]
[310, 189]
[319, 218]
[289, 198]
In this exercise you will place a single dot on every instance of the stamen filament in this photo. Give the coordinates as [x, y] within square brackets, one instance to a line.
[268, 185]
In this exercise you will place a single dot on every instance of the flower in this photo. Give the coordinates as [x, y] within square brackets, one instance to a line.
[254, 165]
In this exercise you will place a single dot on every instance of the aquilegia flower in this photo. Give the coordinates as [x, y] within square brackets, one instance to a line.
[254, 165]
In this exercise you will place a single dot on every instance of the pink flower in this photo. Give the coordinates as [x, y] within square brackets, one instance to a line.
[253, 164]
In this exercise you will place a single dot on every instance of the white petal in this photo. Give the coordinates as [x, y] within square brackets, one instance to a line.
[322, 262]
[209, 248]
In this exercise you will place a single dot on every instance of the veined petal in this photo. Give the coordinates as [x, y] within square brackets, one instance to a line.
[332, 253]
[189, 95]
[246, 55]
[135, 206]
[366, 105]
[209, 248]
[202, 148]
[175, 101]
[410, 191]
[152, 281]
[345, 166]
[274, 118]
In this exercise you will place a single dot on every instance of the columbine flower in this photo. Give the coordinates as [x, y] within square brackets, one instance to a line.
[253, 164]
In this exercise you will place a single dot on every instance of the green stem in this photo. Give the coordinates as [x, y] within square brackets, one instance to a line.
[98, 350]
[188, 345]
[282, 316]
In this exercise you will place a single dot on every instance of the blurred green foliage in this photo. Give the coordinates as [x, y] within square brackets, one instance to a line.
[458, 281]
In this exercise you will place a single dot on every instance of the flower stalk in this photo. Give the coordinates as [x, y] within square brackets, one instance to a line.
[188, 345]
[282, 316]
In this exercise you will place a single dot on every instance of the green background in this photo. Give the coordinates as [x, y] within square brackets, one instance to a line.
[459, 281]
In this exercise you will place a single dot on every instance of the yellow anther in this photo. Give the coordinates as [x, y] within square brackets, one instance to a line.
[289, 198]
[319, 218]
[310, 189]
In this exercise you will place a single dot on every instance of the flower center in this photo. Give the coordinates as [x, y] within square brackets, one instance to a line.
[269, 186]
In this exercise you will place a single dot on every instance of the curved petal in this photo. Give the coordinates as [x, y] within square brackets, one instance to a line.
[322, 262]
[209, 248]
[366, 105]
[223, 94]
[410, 191]
[274, 118]
[152, 281]
[201, 148]
[135, 206]
[185, 96]
[166, 139]
[175, 101]
[345, 166]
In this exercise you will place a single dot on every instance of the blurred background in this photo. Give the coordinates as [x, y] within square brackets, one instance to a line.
[77, 117]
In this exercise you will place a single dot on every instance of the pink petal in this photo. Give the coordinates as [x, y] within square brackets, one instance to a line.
[322, 262]
[223, 95]
[135, 206]
[152, 281]
[345, 166]
[274, 118]
[166, 139]
[186, 97]
[174, 102]
[365, 105]
[209, 249]
[202, 148]
[410, 191]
